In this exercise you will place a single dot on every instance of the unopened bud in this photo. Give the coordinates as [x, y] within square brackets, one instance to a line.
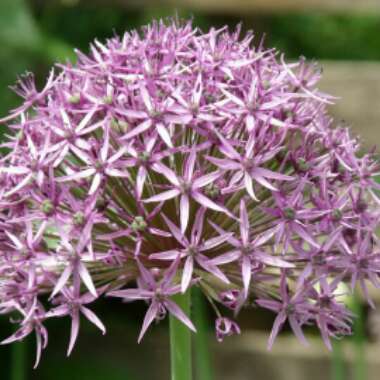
[47, 206]
[78, 218]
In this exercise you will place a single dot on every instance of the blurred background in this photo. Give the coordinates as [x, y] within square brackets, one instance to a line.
[344, 35]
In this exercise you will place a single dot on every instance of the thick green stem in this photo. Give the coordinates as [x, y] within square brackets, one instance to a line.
[338, 364]
[180, 342]
[201, 338]
[360, 370]
[18, 361]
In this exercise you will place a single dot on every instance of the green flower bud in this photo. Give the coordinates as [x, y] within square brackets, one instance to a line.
[139, 224]
[78, 218]
[336, 214]
[108, 99]
[74, 99]
[47, 206]
[212, 190]
[289, 213]
[303, 165]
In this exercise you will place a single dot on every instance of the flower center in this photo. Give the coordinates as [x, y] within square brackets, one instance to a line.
[324, 301]
[290, 309]
[99, 166]
[336, 215]
[192, 251]
[139, 224]
[248, 164]
[212, 190]
[185, 187]
[155, 114]
[245, 250]
[119, 125]
[107, 99]
[303, 165]
[74, 99]
[289, 213]
[47, 207]
[78, 219]
[144, 157]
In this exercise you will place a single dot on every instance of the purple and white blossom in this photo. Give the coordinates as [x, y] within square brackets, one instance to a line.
[172, 158]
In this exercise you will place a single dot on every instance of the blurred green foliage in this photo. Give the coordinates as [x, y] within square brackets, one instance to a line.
[349, 37]
[24, 46]
[35, 33]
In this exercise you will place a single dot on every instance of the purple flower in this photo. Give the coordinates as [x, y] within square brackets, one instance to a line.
[249, 166]
[225, 327]
[172, 158]
[294, 308]
[26, 88]
[72, 304]
[193, 251]
[248, 252]
[187, 187]
[158, 293]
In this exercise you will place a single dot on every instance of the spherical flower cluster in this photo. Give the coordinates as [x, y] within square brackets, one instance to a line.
[168, 159]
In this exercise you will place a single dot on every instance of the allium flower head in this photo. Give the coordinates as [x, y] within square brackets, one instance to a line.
[168, 159]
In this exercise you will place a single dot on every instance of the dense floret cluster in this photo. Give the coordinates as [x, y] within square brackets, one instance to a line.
[170, 158]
